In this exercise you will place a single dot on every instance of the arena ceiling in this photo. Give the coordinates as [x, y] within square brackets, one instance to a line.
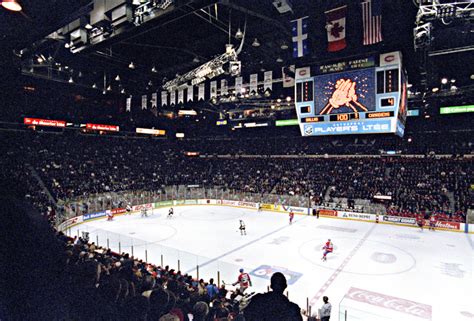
[197, 31]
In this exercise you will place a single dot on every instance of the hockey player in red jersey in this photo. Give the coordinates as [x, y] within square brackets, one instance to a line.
[420, 221]
[110, 216]
[292, 215]
[243, 281]
[328, 248]
[432, 222]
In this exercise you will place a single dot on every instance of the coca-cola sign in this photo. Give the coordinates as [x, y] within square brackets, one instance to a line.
[389, 302]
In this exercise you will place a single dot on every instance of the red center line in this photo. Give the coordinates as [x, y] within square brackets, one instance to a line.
[318, 295]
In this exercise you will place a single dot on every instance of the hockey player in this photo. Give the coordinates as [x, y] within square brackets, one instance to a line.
[420, 221]
[328, 248]
[170, 212]
[243, 281]
[143, 212]
[110, 216]
[292, 215]
[242, 228]
[432, 222]
[259, 207]
[128, 209]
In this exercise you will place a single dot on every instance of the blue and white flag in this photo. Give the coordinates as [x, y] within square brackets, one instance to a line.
[299, 31]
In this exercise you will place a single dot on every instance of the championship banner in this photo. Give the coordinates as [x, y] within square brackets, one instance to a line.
[213, 89]
[224, 88]
[164, 98]
[173, 98]
[238, 86]
[128, 108]
[190, 93]
[144, 101]
[268, 80]
[288, 75]
[336, 28]
[253, 83]
[180, 96]
[154, 104]
[201, 91]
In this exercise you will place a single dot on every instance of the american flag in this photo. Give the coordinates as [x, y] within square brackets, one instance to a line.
[372, 21]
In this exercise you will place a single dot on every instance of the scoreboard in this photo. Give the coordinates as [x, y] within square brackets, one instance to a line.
[353, 97]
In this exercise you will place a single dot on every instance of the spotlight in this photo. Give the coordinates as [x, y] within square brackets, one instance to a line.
[435, 89]
[284, 46]
[444, 81]
[131, 65]
[11, 5]
[109, 88]
[453, 88]
[122, 91]
[196, 59]
[70, 80]
[279, 59]
[94, 86]
[453, 81]
[255, 43]
[154, 69]
[117, 78]
[239, 34]
[288, 98]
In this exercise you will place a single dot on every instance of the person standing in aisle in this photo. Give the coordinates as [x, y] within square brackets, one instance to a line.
[325, 311]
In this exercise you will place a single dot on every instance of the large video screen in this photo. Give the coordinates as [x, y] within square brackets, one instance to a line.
[346, 92]
[358, 100]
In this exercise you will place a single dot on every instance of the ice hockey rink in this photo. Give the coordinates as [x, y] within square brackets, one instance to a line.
[377, 271]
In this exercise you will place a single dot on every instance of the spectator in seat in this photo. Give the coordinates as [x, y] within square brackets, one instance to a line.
[200, 311]
[274, 305]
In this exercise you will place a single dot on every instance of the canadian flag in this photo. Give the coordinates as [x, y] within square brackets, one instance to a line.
[336, 28]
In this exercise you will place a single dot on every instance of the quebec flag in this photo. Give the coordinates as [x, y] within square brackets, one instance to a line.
[299, 31]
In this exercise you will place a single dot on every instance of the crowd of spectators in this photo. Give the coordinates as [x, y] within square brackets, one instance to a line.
[72, 165]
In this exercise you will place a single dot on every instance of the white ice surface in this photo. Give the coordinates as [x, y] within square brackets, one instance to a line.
[432, 268]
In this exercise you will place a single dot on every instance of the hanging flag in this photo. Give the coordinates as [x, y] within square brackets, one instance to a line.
[224, 88]
[190, 93]
[164, 98]
[267, 80]
[173, 98]
[253, 83]
[201, 91]
[288, 75]
[154, 104]
[144, 101]
[213, 89]
[238, 86]
[372, 21]
[336, 28]
[299, 31]
[128, 108]
[180, 96]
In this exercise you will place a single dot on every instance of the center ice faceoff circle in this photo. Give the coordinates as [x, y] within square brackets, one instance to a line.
[374, 258]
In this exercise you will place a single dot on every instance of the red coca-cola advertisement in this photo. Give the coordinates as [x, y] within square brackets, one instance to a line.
[110, 128]
[44, 122]
[389, 302]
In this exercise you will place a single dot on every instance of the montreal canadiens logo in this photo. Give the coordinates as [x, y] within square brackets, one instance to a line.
[389, 58]
[302, 72]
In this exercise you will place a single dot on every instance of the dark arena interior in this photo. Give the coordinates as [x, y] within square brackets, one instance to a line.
[210, 160]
